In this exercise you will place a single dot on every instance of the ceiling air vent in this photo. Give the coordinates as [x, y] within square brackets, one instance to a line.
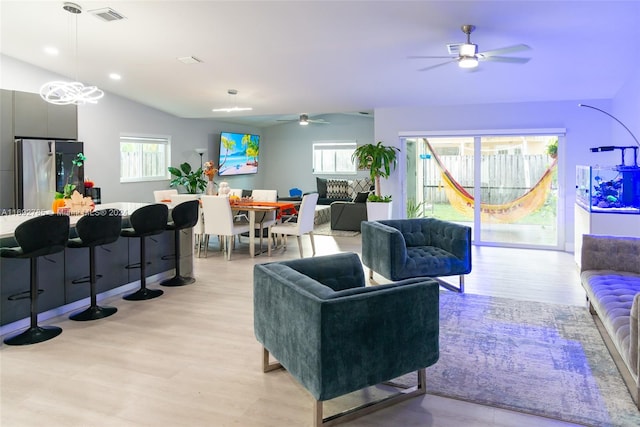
[189, 60]
[107, 14]
[454, 48]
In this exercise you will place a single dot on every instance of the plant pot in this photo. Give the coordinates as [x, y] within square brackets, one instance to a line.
[378, 210]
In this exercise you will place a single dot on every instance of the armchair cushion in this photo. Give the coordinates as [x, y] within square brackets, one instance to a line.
[361, 197]
[348, 215]
[334, 334]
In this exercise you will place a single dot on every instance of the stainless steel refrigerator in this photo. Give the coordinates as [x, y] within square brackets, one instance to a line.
[43, 167]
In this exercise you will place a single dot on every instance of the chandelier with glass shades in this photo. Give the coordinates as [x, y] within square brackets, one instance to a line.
[65, 93]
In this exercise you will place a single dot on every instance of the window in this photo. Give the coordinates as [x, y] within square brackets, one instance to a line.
[144, 158]
[333, 157]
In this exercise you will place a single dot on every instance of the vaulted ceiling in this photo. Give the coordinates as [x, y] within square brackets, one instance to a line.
[290, 57]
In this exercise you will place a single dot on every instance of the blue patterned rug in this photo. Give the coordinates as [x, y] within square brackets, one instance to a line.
[531, 357]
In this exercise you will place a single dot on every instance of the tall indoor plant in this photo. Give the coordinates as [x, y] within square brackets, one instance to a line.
[380, 160]
[191, 180]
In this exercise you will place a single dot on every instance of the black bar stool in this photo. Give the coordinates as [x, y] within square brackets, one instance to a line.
[184, 216]
[95, 229]
[146, 221]
[37, 237]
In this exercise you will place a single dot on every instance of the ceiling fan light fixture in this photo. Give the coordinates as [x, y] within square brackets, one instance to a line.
[468, 62]
[304, 120]
[468, 49]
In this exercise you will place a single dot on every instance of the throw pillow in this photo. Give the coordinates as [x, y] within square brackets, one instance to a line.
[321, 184]
[362, 184]
[337, 189]
[361, 197]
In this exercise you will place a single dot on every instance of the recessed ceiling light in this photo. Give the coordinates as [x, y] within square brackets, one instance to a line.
[115, 76]
[50, 50]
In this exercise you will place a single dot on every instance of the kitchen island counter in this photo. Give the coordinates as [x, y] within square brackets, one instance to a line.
[62, 275]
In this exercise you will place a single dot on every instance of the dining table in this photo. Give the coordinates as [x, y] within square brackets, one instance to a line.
[251, 207]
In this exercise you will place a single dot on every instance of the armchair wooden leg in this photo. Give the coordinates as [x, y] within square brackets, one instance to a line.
[369, 407]
[266, 365]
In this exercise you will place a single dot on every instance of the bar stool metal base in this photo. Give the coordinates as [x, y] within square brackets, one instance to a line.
[93, 313]
[178, 281]
[143, 294]
[34, 335]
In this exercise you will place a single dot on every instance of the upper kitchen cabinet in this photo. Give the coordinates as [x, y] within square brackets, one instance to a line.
[6, 130]
[35, 118]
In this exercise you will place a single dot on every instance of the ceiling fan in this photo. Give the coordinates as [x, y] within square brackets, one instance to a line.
[305, 120]
[467, 55]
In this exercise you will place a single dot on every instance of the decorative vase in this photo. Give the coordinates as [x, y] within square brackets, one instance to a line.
[211, 189]
[223, 188]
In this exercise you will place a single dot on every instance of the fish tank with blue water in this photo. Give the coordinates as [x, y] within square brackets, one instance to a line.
[612, 189]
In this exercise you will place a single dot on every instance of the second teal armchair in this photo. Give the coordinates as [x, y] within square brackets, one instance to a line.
[400, 249]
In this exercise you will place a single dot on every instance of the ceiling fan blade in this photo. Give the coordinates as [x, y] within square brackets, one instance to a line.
[508, 49]
[319, 122]
[430, 57]
[511, 59]
[438, 65]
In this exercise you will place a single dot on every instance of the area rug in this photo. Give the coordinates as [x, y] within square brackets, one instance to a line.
[325, 230]
[543, 359]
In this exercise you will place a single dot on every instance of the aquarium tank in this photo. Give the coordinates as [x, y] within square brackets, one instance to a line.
[613, 189]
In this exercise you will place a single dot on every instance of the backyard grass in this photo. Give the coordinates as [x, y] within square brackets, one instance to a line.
[444, 211]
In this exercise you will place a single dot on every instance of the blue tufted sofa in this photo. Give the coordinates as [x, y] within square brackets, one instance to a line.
[610, 276]
[419, 247]
[335, 335]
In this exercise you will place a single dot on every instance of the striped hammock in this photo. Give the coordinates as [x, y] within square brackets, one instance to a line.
[504, 213]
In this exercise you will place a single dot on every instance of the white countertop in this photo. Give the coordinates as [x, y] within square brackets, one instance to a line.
[8, 223]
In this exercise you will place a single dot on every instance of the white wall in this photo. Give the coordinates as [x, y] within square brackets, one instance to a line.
[626, 108]
[583, 131]
[288, 149]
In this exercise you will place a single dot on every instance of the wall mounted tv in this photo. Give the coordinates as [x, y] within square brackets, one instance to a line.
[238, 153]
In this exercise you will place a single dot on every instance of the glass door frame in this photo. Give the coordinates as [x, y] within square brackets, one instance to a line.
[477, 135]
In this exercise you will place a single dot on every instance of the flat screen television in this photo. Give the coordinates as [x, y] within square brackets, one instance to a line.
[238, 153]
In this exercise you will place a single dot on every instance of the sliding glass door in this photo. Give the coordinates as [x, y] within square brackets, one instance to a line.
[504, 187]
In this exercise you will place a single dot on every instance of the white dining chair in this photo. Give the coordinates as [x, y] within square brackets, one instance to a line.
[218, 220]
[264, 220]
[304, 225]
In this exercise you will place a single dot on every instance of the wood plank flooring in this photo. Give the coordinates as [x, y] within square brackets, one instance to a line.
[189, 358]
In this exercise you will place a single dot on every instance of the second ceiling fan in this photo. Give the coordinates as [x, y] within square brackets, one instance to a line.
[305, 120]
[467, 55]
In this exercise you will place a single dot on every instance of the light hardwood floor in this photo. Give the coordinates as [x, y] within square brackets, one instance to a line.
[189, 358]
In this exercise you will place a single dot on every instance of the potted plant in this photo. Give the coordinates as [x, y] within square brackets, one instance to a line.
[379, 159]
[191, 180]
[552, 149]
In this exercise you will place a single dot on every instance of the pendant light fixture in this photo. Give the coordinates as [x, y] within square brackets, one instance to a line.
[66, 93]
[231, 93]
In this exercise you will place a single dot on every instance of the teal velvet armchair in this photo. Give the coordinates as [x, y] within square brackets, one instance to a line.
[335, 335]
[399, 249]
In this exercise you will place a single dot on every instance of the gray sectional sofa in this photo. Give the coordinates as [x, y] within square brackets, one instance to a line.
[610, 275]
